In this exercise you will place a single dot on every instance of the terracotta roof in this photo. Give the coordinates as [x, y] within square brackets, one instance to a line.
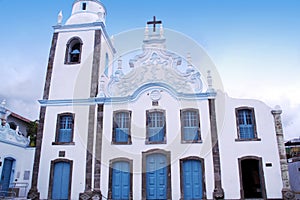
[20, 117]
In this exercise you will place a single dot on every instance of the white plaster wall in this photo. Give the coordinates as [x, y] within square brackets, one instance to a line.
[76, 153]
[24, 158]
[138, 131]
[72, 81]
[231, 150]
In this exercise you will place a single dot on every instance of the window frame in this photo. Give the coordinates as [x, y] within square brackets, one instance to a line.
[59, 116]
[110, 181]
[164, 141]
[255, 135]
[129, 112]
[72, 42]
[182, 111]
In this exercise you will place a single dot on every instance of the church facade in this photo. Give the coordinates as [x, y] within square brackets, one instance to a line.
[148, 124]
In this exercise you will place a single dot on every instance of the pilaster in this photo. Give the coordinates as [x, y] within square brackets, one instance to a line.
[287, 194]
[89, 192]
[33, 192]
[218, 192]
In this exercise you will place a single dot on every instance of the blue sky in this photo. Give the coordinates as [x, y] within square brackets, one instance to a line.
[255, 45]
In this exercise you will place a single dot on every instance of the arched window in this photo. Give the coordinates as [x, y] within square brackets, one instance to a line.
[73, 51]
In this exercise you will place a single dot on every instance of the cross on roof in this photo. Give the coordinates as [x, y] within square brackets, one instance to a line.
[154, 22]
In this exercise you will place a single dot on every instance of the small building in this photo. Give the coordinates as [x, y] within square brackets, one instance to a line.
[16, 156]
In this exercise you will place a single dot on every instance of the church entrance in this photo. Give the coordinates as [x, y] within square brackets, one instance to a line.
[156, 176]
[61, 180]
[192, 179]
[121, 180]
[7, 174]
[252, 178]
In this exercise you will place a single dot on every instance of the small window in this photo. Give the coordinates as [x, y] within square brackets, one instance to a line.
[73, 51]
[246, 126]
[83, 6]
[26, 175]
[156, 127]
[64, 128]
[121, 127]
[190, 126]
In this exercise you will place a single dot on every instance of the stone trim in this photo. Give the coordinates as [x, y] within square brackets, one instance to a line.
[114, 127]
[251, 109]
[218, 192]
[98, 151]
[144, 167]
[111, 162]
[182, 127]
[92, 114]
[261, 175]
[165, 127]
[51, 177]
[203, 175]
[33, 192]
[286, 191]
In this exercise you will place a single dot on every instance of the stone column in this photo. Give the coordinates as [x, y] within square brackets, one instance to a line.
[33, 192]
[287, 194]
[89, 193]
[218, 191]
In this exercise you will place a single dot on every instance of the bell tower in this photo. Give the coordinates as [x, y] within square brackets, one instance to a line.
[80, 51]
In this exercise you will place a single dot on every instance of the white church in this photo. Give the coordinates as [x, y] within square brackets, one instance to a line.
[148, 124]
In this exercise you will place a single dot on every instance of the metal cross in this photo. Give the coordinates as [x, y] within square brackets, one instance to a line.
[154, 22]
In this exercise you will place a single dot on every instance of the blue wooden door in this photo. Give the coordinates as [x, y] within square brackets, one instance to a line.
[121, 180]
[6, 173]
[61, 180]
[192, 179]
[156, 176]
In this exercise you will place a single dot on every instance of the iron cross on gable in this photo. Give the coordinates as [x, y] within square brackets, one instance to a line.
[154, 22]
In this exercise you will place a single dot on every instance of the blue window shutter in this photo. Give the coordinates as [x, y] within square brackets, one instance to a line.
[65, 128]
[122, 127]
[191, 125]
[246, 124]
[156, 126]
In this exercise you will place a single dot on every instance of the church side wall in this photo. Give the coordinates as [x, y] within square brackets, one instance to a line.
[231, 149]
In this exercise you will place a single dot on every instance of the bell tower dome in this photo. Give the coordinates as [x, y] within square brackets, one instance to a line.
[87, 11]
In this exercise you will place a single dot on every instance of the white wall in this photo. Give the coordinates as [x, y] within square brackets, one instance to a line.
[24, 159]
[173, 134]
[231, 150]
